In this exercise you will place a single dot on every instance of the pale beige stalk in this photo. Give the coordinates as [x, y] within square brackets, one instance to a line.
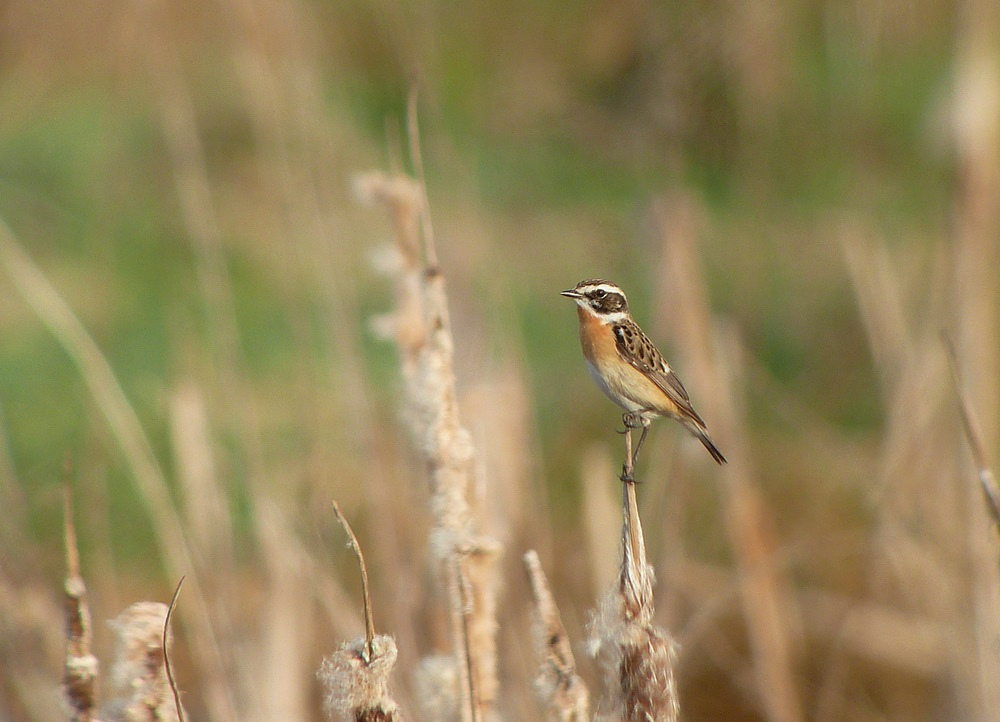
[560, 689]
[421, 328]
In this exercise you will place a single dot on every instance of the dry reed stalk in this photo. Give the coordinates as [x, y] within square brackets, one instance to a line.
[561, 690]
[638, 657]
[295, 578]
[976, 131]
[192, 184]
[357, 675]
[499, 414]
[95, 371]
[34, 640]
[179, 126]
[509, 501]
[768, 603]
[769, 607]
[923, 516]
[879, 634]
[926, 520]
[911, 368]
[296, 150]
[876, 288]
[421, 329]
[976, 115]
[479, 569]
[81, 668]
[139, 675]
[600, 519]
[269, 47]
[987, 481]
[287, 624]
[206, 508]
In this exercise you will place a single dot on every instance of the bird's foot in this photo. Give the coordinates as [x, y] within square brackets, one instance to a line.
[628, 475]
[632, 420]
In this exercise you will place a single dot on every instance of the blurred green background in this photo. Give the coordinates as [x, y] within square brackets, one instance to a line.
[550, 129]
[181, 175]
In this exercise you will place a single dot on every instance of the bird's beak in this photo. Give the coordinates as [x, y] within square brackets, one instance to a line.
[572, 293]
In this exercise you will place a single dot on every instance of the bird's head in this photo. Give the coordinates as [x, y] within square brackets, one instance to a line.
[601, 298]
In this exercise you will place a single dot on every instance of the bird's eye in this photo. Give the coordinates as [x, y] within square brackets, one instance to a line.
[600, 293]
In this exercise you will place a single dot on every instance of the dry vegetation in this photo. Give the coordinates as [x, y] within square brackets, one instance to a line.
[205, 339]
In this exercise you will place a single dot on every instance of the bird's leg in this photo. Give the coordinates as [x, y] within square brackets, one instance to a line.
[628, 467]
[631, 420]
[642, 437]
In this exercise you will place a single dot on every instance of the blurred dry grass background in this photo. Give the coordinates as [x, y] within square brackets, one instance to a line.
[797, 195]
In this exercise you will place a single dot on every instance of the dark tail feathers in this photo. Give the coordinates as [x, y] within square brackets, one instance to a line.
[705, 439]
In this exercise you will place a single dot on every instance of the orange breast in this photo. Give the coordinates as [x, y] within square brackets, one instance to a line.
[619, 380]
[596, 339]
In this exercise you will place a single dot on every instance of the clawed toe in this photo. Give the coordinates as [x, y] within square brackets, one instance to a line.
[628, 476]
[631, 420]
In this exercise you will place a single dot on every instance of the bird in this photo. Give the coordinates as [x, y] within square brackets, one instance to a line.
[627, 366]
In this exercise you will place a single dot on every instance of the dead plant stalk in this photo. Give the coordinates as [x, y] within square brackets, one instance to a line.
[421, 328]
[81, 667]
[638, 657]
[557, 684]
[356, 675]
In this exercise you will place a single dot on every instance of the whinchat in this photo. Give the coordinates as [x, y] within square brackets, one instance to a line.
[627, 366]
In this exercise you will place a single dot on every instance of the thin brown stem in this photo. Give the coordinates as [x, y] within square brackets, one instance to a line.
[357, 674]
[166, 654]
[369, 620]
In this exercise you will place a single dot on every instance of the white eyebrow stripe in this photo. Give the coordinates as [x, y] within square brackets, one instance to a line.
[608, 288]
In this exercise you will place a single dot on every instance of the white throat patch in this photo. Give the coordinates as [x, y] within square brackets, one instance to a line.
[609, 318]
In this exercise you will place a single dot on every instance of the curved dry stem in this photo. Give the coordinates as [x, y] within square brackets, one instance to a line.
[366, 595]
[166, 654]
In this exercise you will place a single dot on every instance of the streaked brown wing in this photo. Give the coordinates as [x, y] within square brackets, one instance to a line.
[639, 351]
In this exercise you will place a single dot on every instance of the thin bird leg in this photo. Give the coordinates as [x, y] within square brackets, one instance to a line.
[628, 467]
[642, 437]
[632, 420]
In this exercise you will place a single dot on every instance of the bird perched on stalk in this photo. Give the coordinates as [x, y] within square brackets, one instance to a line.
[628, 368]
